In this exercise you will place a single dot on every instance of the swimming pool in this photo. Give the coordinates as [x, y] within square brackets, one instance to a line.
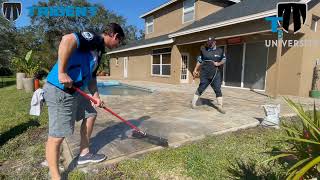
[116, 88]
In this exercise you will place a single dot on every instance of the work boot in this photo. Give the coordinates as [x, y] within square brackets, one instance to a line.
[220, 105]
[194, 101]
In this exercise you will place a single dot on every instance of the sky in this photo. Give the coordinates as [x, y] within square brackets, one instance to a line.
[130, 9]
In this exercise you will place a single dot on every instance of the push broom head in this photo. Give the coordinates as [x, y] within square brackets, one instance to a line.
[151, 138]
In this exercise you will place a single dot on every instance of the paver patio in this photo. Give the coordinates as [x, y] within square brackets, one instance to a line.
[167, 113]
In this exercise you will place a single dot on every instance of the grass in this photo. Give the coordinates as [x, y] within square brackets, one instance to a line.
[22, 136]
[229, 156]
[235, 155]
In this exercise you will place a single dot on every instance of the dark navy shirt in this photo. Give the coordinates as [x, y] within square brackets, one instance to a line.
[211, 54]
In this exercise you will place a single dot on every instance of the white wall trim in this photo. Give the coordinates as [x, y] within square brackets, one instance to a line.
[143, 46]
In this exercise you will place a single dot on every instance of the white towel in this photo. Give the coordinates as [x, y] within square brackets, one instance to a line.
[36, 102]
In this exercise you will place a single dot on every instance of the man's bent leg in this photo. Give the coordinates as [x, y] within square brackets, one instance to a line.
[86, 131]
[52, 156]
[61, 124]
[88, 114]
[204, 83]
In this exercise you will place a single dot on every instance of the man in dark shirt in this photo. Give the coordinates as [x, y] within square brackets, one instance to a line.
[211, 60]
[79, 57]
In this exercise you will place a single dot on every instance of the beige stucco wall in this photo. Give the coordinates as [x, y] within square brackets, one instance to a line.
[206, 7]
[310, 54]
[169, 19]
[116, 70]
[295, 65]
[139, 66]
[290, 74]
[290, 69]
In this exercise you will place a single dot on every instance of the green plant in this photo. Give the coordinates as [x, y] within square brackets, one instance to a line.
[303, 154]
[27, 65]
[103, 64]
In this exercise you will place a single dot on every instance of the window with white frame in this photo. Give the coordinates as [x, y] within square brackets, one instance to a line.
[314, 23]
[161, 62]
[149, 25]
[188, 10]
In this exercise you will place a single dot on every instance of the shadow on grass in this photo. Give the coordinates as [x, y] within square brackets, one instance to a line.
[17, 130]
[241, 170]
[6, 83]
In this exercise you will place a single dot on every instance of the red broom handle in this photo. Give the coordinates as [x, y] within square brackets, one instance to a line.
[107, 109]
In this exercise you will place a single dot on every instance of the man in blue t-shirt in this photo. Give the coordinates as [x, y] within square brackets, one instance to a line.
[210, 64]
[79, 57]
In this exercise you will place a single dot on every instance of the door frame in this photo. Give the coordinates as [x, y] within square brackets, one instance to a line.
[125, 67]
[243, 70]
[188, 63]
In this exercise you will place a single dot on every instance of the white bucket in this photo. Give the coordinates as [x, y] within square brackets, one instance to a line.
[272, 113]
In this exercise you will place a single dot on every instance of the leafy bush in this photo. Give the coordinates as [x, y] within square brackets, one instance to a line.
[303, 156]
[27, 65]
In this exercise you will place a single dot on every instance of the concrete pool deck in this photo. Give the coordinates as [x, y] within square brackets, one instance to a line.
[167, 113]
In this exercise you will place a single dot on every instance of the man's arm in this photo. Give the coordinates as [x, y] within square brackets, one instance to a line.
[93, 88]
[197, 68]
[223, 60]
[66, 47]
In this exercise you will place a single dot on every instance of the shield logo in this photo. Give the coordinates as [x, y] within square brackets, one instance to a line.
[297, 10]
[11, 10]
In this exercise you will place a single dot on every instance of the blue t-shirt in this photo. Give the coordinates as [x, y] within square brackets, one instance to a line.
[84, 61]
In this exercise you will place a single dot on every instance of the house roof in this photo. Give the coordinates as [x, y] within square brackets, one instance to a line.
[167, 4]
[246, 10]
[143, 43]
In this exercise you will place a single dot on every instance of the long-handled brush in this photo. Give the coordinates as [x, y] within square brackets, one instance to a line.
[138, 133]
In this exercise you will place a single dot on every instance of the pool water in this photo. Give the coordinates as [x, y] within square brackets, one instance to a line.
[122, 90]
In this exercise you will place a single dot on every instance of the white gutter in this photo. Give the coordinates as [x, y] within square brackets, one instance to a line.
[143, 46]
[156, 9]
[226, 23]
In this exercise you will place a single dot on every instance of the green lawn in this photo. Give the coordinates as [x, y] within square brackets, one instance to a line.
[220, 157]
[230, 156]
[22, 136]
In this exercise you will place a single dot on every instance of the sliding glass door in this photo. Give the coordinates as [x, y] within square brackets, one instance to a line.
[255, 66]
[246, 65]
[234, 65]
